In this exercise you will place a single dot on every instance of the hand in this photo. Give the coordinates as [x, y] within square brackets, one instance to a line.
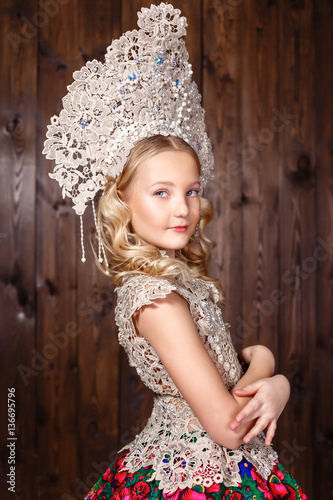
[245, 355]
[248, 354]
[270, 396]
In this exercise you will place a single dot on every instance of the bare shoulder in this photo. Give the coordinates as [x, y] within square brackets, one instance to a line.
[165, 313]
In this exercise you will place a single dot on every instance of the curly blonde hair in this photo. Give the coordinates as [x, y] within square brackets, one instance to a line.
[125, 251]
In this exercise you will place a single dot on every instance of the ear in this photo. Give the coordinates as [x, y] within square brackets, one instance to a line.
[120, 194]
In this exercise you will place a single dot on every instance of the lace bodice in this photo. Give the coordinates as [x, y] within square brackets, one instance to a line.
[173, 442]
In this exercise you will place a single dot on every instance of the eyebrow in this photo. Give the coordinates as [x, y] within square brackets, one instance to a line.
[162, 182]
[168, 183]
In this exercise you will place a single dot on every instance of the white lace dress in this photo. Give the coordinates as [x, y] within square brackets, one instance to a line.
[174, 458]
[173, 443]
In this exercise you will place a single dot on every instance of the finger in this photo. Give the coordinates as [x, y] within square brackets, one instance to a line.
[248, 390]
[244, 392]
[260, 425]
[271, 428]
[249, 412]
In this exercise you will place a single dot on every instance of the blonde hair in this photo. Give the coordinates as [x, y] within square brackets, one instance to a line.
[125, 251]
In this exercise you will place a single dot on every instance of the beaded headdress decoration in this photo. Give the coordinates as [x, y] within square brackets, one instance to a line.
[143, 89]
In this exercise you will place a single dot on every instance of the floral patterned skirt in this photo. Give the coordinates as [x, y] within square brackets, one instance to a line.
[119, 484]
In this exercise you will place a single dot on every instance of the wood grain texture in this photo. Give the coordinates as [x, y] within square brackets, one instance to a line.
[98, 355]
[222, 102]
[18, 240]
[57, 332]
[297, 234]
[265, 73]
[322, 260]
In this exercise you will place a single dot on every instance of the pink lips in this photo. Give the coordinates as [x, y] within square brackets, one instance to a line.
[179, 229]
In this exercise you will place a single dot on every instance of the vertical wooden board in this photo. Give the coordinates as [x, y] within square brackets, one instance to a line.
[221, 100]
[263, 148]
[18, 45]
[98, 409]
[297, 236]
[136, 399]
[135, 403]
[57, 256]
[323, 403]
[251, 193]
[259, 159]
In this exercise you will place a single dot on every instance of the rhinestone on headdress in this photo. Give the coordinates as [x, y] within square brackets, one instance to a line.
[144, 88]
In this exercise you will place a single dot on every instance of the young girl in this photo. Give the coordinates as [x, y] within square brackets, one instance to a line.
[173, 332]
[134, 128]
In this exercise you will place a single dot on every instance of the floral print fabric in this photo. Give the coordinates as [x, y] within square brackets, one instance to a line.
[119, 484]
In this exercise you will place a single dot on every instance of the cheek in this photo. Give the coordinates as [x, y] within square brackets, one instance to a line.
[144, 215]
[196, 213]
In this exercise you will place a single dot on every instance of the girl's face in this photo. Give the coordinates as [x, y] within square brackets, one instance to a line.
[164, 200]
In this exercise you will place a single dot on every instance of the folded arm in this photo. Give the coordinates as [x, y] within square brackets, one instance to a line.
[264, 401]
[168, 326]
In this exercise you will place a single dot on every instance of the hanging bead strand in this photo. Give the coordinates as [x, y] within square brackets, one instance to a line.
[83, 258]
[105, 260]
[100, 259]
[101, 248]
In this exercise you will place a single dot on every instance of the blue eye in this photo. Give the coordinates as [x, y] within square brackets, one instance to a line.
[192, 192]
[161, 194]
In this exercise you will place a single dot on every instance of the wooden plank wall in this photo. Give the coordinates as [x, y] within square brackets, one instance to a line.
[265, 73]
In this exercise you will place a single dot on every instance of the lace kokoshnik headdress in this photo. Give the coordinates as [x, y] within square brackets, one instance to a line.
[143, 89]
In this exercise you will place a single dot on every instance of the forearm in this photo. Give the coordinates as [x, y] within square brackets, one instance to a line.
[262, 365]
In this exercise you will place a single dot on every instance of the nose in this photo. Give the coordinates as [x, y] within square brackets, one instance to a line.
[181, 206]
